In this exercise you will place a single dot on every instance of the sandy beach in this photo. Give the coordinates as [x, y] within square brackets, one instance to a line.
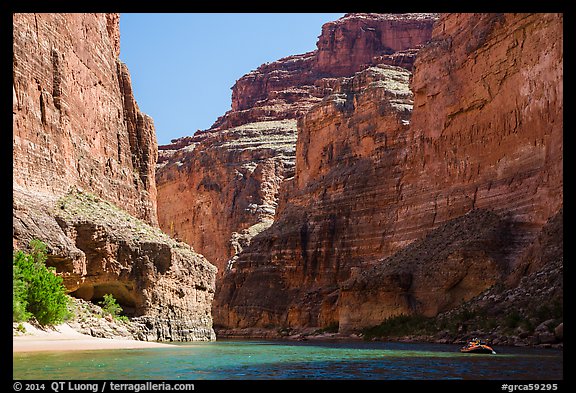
[64, 338]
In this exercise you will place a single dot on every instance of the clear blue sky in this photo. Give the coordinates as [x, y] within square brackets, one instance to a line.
[183, 65]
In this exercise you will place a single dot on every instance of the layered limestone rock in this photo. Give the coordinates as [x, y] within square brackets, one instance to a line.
[485, 133]
[75, 120]
[222, 188]
[81, 147]
[207, 196]
[163, 285]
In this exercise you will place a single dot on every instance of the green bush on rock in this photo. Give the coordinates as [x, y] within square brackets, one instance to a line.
[401, 325]
[110, 306]
[37, 291]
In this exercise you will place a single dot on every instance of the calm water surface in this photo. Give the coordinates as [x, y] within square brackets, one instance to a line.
[291, 360]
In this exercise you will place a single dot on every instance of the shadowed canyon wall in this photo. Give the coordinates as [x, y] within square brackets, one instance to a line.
[413, 204]
[81, 148]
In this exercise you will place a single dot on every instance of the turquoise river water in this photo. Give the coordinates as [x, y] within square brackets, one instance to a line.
[253, 360]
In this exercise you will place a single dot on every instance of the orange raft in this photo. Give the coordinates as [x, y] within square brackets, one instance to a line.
[477, 346]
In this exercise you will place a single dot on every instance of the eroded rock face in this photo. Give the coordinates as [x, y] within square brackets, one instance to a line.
[207, 196]
[99, 249]
[351, 43]
[81, 147]
[75, 120]
[488, 115]
[485, 133]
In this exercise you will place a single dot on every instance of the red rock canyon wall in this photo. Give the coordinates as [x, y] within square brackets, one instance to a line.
[75, 120]
[379, 185]
[82, 147]
[219, 188]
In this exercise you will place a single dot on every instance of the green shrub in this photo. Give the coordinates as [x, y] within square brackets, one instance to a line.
[123, 318]
[37, 290]
[331, 328]
[110, 306]
[401, 325]
[19, 296]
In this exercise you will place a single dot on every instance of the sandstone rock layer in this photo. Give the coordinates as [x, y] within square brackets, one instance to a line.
[349, 44]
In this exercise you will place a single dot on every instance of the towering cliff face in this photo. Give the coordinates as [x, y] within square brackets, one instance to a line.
[288, 87]
[81, 147]
[75, 120]
[488, 115]
[221, 187]
[329, 213]
[357, 40]
[377, 189]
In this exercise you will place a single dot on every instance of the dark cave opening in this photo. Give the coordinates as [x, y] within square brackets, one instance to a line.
[95, 293]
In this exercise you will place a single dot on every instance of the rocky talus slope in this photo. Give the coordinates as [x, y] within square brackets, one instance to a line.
[524, 313]
[219, 188]
[435, 197]
[452, 264]
[527, 309]
[81, 147]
